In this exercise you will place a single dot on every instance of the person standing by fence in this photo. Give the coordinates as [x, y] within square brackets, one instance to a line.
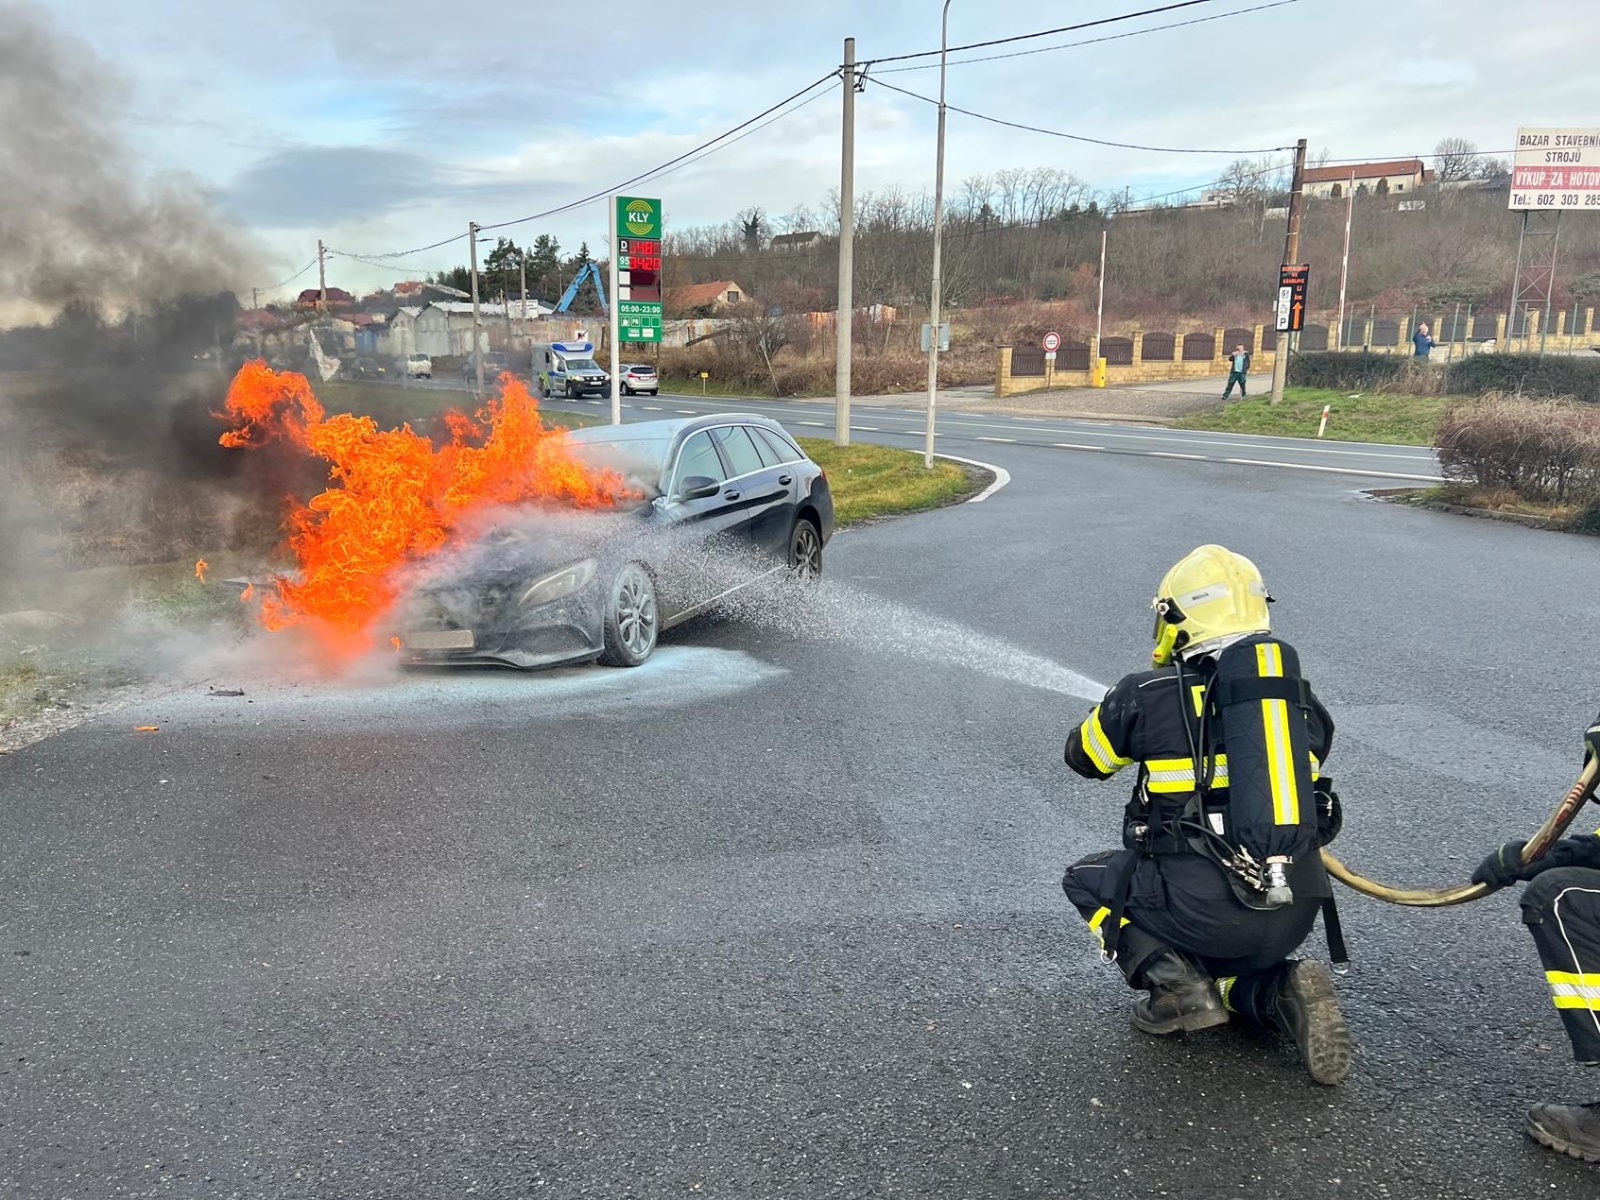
[1422, 341]
[1238, 368]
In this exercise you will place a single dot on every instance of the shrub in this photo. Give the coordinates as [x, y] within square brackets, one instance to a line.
[1363, 372]
[1539, 449]
[1529, 374]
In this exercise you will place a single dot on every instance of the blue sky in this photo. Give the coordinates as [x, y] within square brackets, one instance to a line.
[384, 126]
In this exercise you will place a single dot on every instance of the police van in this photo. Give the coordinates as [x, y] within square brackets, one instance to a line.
[569, 368]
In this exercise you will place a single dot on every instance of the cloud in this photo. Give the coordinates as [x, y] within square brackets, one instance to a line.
[319, 185]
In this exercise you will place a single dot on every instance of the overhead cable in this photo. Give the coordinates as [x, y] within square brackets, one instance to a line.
[1023, 37]
[1076, 137]
[1110, 37]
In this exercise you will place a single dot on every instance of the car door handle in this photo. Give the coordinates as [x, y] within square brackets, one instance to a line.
[730, 495]
[786, 479]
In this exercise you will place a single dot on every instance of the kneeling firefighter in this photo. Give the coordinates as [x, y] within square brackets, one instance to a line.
[1561, 908]
[1219, 880]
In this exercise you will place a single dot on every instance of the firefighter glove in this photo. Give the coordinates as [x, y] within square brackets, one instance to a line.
[1503, 867]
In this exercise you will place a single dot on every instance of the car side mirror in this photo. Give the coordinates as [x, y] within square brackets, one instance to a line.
[698, 487]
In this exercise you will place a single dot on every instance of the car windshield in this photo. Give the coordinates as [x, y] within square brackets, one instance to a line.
[582, 364]
[639, 460]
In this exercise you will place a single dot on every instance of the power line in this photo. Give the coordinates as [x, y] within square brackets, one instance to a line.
[1110, 37]
[291, 278]
[1074, 137]
[671, 162]
[1023, 37]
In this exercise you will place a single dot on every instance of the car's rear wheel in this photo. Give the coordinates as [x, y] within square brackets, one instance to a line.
[805, 550]
[633, 619]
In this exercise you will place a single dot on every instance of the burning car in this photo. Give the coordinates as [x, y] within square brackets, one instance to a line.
[726, 501]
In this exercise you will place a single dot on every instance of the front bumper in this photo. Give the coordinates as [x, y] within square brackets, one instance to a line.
[570, 630]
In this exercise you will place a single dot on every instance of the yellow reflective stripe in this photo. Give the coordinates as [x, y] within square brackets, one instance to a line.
[1275, 718]
[1572, 989]
[1225, 988]
[1098, 919]
[1098, 745]
[1586, 980]
[1198, 691]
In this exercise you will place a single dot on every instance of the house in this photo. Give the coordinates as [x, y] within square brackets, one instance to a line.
[311, 296]
[409, 287]
[706, 298]
[1398, 175]
[444, 327]
[791, 243]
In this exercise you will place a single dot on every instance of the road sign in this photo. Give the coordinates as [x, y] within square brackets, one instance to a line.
[1052, 342]
[639, 320]
[1556, 169]
[1293, 280]
[638, 217]
[927, 336]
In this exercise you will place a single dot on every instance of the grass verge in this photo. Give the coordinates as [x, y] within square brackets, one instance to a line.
[1563, 516]
[879, 481]
[1356, 417]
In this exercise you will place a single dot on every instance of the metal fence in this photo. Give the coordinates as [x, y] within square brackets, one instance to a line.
[1027, 361]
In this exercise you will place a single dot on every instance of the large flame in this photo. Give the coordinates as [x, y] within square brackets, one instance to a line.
[393, 497]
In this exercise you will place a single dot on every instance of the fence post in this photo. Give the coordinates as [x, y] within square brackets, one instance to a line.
[1255, 342]
[1500, 335]
[1404, 336]
[1219, 352]
[1138, 351]
[1002, 373]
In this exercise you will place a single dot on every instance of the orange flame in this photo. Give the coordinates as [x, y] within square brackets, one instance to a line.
[393, 498]
[248, 594]
[200, 569]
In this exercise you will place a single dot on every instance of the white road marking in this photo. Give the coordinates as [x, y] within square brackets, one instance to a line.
[651, 407]
[684, 412]
[995, 439]
[1173, 454]
[813, 424]
[1001, 476]
[1256, 462]
[1076, 446]
[866, 428]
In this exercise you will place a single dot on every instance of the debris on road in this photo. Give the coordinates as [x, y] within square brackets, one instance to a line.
[146, 728]
[225, 692]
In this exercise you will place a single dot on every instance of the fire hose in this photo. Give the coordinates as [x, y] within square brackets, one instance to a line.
[1549, 833]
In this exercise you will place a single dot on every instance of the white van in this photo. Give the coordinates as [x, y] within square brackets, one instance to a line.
[419, 366]
[569, 368]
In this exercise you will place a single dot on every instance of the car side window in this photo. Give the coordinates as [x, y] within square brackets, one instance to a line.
[769, 456]
[698, 457]
[780, 445]
[737, 449]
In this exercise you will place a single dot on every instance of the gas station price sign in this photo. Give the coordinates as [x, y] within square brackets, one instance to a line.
[639, 254]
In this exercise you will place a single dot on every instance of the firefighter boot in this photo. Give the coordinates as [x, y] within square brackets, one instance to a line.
[1570, 1128]
[1181, 997]
[1307, 1010]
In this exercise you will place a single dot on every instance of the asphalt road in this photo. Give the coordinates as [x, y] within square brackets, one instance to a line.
[778, 915]
[972, 435]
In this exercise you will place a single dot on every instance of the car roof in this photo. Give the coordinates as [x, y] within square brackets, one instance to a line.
[664, 430]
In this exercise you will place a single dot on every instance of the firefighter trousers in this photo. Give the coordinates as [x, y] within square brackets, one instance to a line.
[1561, 908]
[1184, 902]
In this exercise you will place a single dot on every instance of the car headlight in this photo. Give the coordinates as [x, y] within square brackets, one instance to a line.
[561, 584]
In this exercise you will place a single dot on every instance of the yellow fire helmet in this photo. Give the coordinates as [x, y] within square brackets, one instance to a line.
[1210, 593]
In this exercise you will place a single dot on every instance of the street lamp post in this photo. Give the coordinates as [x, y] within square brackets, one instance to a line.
[938, 231]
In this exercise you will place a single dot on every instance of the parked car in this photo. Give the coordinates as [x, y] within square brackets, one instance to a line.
[494, 365]
[368, 368]
[640, 378]
[723, 502]
[419, 366]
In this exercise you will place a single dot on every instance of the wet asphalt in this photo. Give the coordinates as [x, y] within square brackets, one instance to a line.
[778, 915]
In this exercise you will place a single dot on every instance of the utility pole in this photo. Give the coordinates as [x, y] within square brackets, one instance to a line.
[1344, 266]
[1100, 307]
[522, 267]
[255, 298]
[1291, 251]
[842, 348]
[322, 277]
[614, 316]
[938, 231]
[477, 319]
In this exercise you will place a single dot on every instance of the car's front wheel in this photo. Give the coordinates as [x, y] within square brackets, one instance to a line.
[633, 619]
[805, 551]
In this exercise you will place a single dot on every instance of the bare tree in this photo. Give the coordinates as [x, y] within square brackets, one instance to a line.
[761, 331]
[1492, 168]
[1456, 159]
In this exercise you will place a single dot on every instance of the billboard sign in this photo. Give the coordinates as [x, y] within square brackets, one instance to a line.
[1556, 169]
